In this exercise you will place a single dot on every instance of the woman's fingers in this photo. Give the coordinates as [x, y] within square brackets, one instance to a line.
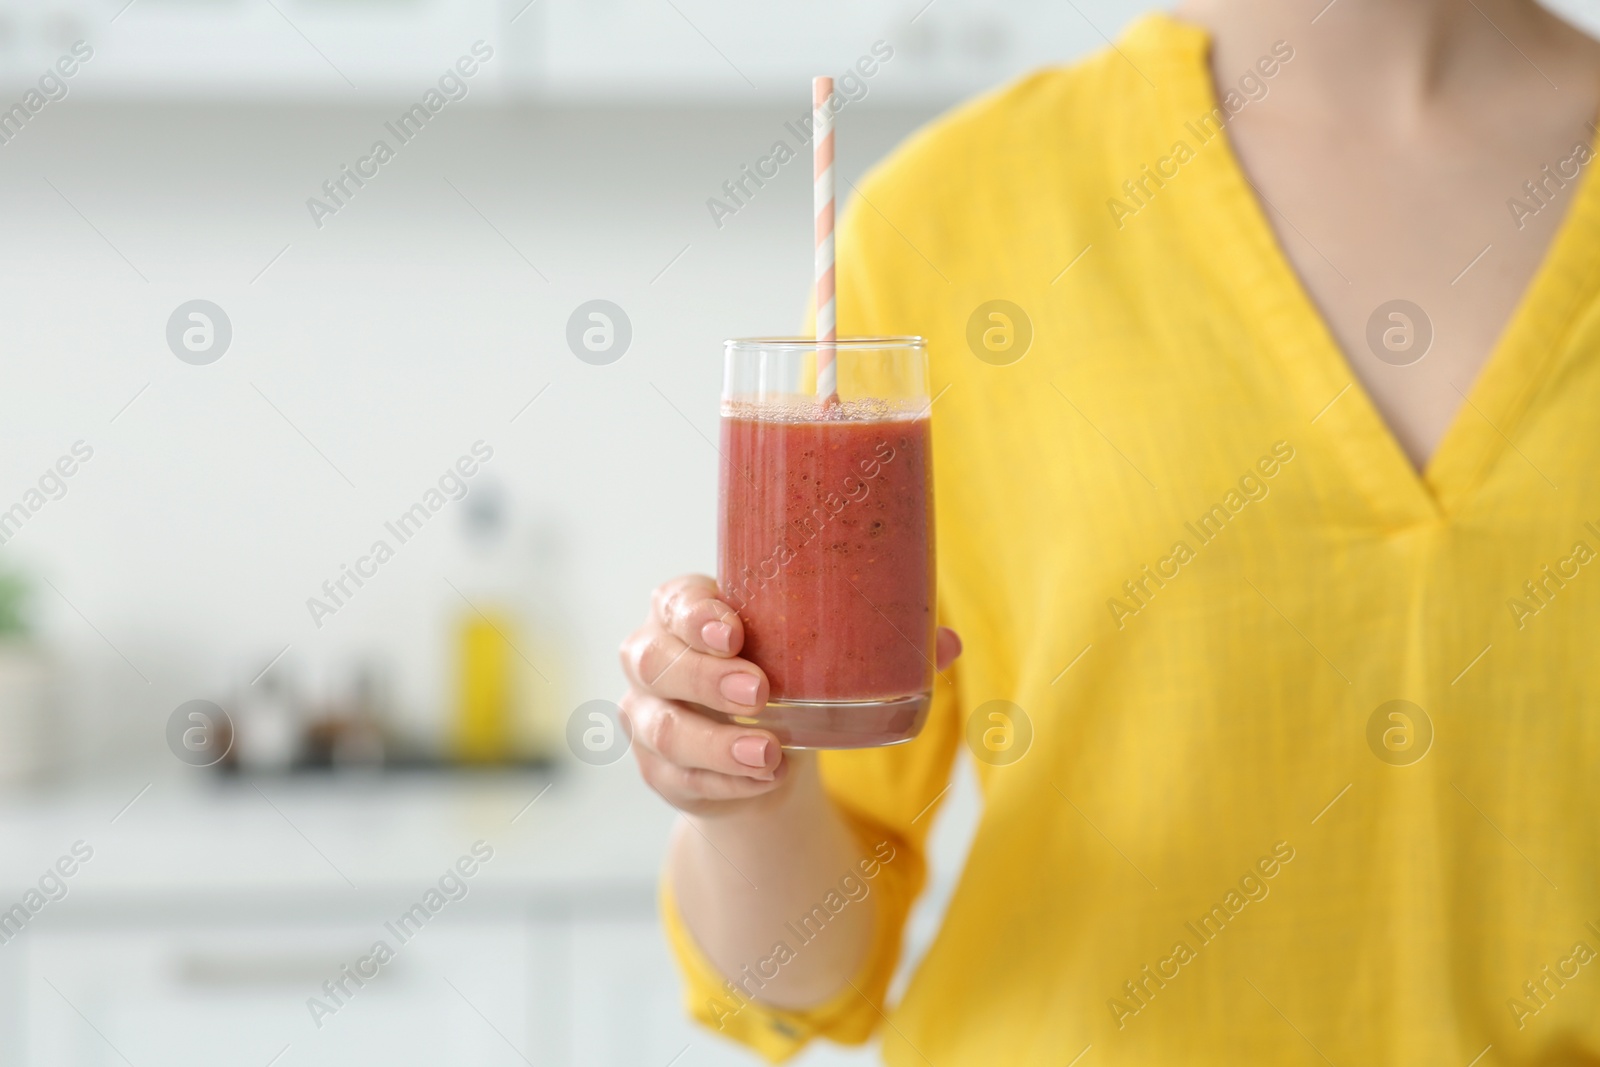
[688, 608]
[699, 791]
[949, 647]
[695, 763]
[687, 739]
[661, 664]
[685, 655]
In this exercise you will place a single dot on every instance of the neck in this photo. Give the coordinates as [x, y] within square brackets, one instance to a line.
[1384, 63]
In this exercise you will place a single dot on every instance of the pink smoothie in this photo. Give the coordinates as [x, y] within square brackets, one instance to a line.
[827, 555]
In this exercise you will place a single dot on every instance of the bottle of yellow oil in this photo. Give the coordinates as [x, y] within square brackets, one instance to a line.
[505, 694]
[488, 703]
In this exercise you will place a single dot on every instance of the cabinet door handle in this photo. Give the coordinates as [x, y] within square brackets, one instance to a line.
[248, 967]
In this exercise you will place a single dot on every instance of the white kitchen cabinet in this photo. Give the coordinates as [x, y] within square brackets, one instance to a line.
[323, 50]
[203, 996]
[626, 51]
[209, 914]
[630, 51]
[592, 991]
[723, 51]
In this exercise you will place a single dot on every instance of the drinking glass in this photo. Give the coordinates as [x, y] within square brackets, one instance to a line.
[825, 535]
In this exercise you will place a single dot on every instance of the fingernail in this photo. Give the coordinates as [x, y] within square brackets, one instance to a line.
[717, 635]
[741, 688]
[751, 751]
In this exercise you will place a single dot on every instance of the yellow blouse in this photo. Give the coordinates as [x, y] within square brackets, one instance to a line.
[1296, 751]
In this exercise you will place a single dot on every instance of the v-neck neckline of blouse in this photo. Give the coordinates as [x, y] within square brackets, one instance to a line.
[1327, 390]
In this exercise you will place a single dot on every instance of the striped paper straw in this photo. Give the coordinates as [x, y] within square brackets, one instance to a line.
[822, 192]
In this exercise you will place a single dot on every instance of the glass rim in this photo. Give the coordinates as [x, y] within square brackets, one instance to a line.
[806, 344]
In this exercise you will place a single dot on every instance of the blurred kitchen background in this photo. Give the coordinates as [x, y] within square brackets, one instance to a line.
[262, 783]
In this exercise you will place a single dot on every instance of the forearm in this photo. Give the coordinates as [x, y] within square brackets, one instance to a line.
[748, 879]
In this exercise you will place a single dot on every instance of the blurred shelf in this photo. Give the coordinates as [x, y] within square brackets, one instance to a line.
[402, 764]
[707, 51]
[349, 50]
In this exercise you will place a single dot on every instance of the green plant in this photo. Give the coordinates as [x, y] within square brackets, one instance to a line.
[13, 602]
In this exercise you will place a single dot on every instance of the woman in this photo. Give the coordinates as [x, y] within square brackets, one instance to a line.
[1277, 536]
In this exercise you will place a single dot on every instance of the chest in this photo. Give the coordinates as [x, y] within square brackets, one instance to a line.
[1417, 255]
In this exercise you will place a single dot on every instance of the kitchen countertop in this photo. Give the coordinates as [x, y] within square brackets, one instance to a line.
[205, 846]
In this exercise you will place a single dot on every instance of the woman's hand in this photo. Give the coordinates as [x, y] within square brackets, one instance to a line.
[686, 654]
